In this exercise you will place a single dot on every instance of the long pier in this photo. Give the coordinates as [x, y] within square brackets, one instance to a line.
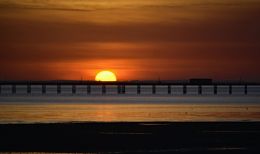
[193, 86]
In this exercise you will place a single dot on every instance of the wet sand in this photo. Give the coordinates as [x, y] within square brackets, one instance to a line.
[132, 137]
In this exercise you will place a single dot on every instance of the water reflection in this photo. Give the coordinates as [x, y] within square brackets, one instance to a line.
[56, 112]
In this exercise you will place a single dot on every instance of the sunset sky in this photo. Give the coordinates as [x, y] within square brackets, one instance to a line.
[136, 39]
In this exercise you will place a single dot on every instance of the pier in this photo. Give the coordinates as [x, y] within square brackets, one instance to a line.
[74, 87]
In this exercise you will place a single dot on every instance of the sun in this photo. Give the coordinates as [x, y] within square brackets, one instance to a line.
[106, 76]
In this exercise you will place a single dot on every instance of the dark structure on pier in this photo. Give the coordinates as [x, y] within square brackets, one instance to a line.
[201, 81]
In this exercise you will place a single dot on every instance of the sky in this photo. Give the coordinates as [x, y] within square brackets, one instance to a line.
[136, 39]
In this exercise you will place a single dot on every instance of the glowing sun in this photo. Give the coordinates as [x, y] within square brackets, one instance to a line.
[105, 76]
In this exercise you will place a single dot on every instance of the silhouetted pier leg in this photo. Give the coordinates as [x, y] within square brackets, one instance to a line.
[123, 89]
[43, 89]
[88, 89]
[200, 90]
[215, 89]
[138, 89]
[246, 90]
[230, 90]
[154, 89]
[103, 89]
[184, 89]
[58, 89]
[73, 89]
[119, 91]
[0, 89]
[169, 89]
[13, 89]
[29, 89]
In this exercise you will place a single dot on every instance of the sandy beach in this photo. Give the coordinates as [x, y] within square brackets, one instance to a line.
[132, 137]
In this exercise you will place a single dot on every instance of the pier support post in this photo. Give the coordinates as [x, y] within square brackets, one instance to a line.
[215, 89]
[123, 89]
[169, 89]
[200, 90]
[29, 89]
[103, 89]
[0, 89]
[119, 89]
[230, 90]
[246, 90]
[154, 89]
[13, 89]
[58, 89]
[184, 89]
[89, 89]
[73, 89]
[138, 89]
[43, 89]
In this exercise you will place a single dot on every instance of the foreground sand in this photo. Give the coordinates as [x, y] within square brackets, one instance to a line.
[133, 137]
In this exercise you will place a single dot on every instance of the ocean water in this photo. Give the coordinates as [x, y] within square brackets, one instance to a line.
[51, 109]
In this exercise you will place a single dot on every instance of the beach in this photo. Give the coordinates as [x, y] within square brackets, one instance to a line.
[132, 137]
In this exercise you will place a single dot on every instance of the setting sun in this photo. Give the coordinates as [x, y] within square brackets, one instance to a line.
[106, 76]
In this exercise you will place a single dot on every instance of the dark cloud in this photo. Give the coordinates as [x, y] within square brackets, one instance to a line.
[241, 27]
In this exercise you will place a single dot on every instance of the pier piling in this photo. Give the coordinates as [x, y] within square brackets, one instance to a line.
[13, 89]
[215, 89]
[123, 89]
[184, 89]
[119, 89]
[169, 89]
[200, 90]
[29, 89]
[230, 90]
[88, 89]
[43, 89]
[103, 89]
[154, 89]
[138, 89]
[58, 89]
[73, 89]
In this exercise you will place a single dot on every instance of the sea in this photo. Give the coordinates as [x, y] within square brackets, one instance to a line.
[132, 108]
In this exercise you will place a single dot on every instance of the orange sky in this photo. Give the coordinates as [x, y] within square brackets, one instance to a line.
[137, 39]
